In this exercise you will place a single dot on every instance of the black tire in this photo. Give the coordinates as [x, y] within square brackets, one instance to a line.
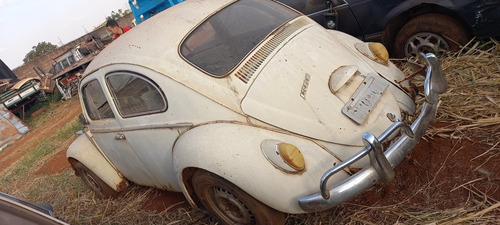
[431, 32]
[230, 204]
[99, 187]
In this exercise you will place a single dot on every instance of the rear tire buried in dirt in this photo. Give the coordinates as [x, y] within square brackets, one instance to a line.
[431, 32]
[99, 187]
[230, 204]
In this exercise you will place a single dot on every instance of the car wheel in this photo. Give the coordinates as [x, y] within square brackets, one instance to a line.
[230, 204]
[98, 186]
[430, 32]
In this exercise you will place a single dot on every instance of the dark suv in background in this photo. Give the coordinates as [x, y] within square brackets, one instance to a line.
[407, 27]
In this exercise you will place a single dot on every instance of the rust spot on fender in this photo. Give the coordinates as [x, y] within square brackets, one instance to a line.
[122, 185]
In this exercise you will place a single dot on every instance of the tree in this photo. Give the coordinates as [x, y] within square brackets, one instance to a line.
[41, 49]
[116, 15]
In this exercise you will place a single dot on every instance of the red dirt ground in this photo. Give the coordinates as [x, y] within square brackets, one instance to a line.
[439, 172]
[442, 173]
[64, 115]
[57, 163]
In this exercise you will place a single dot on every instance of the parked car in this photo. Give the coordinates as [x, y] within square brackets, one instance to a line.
[16, 211]
[249, 109]
[21, 93]
[407, 27]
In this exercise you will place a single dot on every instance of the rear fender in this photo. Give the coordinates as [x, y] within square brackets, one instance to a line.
[82, 150]
[234, 152]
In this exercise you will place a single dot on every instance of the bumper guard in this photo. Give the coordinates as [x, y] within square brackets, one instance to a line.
[381, 163]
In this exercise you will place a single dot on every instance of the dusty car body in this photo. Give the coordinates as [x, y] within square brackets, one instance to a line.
[407, 27]
[249, 108]
[16, 211]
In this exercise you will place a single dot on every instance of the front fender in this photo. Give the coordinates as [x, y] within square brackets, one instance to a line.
[233, 151]
[83, 151]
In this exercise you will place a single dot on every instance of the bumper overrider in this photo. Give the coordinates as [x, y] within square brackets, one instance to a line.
[381, 162]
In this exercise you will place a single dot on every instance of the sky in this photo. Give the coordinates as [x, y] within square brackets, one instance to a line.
[25, 23]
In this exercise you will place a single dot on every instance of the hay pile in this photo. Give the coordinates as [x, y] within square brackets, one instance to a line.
[472, 103]
[470, 108]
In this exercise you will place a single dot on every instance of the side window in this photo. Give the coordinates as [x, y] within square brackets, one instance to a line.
[95, 102]
[135, 95]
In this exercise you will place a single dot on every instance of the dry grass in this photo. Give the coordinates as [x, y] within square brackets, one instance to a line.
[471, 105]
[128, 209]
[469, 110]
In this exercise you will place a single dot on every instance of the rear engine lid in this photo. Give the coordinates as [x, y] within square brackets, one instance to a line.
[305, 87]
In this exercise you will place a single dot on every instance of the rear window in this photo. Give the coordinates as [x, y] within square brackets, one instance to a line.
[217, 45]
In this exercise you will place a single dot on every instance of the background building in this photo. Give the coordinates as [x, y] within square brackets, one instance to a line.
[45, 62]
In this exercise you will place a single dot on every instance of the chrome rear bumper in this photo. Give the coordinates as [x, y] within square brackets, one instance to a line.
[381, 163]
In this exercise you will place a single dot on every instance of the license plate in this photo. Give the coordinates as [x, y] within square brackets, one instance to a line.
[365, 98]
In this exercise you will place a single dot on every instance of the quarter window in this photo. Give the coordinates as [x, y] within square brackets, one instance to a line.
[95, 102]
[135, 95]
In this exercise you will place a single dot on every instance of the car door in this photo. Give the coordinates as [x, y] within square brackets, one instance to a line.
[127, 118]
[483, 17]
[370, 16]
[337, 16]
[315, 9]
[345, 19]
[106, 130]
[148, 123]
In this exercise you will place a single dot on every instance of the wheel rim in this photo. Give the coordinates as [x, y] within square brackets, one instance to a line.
[230, 207]
[427, 43]
[91, 182]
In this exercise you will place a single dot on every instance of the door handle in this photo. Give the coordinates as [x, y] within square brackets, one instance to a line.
[120, 137]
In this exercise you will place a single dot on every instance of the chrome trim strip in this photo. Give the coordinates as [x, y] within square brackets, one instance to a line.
[145, 127]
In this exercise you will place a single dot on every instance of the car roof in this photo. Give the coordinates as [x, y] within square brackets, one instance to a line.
[154, 43]
[20, 83]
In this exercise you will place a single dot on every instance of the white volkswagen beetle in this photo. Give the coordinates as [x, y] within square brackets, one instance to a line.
[248, 108]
